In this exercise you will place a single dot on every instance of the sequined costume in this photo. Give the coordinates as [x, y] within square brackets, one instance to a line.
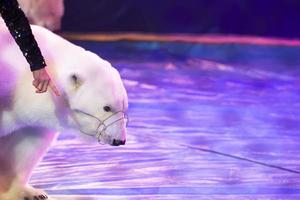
[19, 28]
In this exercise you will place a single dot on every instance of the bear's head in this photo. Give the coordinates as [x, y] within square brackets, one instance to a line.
[97, 99]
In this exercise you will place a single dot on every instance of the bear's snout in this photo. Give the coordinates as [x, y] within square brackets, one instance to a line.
[118, 142]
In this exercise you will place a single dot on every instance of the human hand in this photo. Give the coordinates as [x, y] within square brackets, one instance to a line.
[42, 80]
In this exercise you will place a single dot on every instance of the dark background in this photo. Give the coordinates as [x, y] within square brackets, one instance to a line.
[276, 18]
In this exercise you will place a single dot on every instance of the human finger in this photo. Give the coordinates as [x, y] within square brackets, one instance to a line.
[35, 83]
[40, 86]
[45, 86]
[54, 89]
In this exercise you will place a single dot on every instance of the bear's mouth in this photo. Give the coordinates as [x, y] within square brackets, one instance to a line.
[99, 127]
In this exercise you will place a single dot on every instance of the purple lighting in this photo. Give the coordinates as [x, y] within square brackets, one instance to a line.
[207, 122]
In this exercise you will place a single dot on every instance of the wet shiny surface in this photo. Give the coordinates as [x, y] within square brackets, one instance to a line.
[206, 122]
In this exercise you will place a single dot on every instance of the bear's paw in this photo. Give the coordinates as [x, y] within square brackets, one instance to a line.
[31, 193]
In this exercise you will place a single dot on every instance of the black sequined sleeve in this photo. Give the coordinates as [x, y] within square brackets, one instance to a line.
[19, 28]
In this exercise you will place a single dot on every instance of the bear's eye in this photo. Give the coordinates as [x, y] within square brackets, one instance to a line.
[106, 108]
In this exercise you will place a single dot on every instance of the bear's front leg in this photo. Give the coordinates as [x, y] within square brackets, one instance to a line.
[18, 192]
[30, 193]
[20, 152]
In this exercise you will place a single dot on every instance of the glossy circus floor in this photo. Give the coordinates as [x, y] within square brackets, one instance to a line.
[207, 121]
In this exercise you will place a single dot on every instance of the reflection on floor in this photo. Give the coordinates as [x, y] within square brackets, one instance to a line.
[206, 122]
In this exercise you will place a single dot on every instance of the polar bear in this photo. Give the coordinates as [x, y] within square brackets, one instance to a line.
[93, 102]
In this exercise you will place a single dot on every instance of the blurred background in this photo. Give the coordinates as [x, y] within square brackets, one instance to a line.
[276, 18]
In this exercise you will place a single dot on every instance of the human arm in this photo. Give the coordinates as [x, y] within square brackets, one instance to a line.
[20, 29]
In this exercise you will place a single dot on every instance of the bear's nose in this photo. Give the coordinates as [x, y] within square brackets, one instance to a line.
[118, 142]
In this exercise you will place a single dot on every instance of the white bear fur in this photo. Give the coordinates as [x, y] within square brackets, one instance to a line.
[30, 122]
[46, 13]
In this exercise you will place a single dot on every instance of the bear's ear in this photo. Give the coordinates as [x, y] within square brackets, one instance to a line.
[76, 81]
